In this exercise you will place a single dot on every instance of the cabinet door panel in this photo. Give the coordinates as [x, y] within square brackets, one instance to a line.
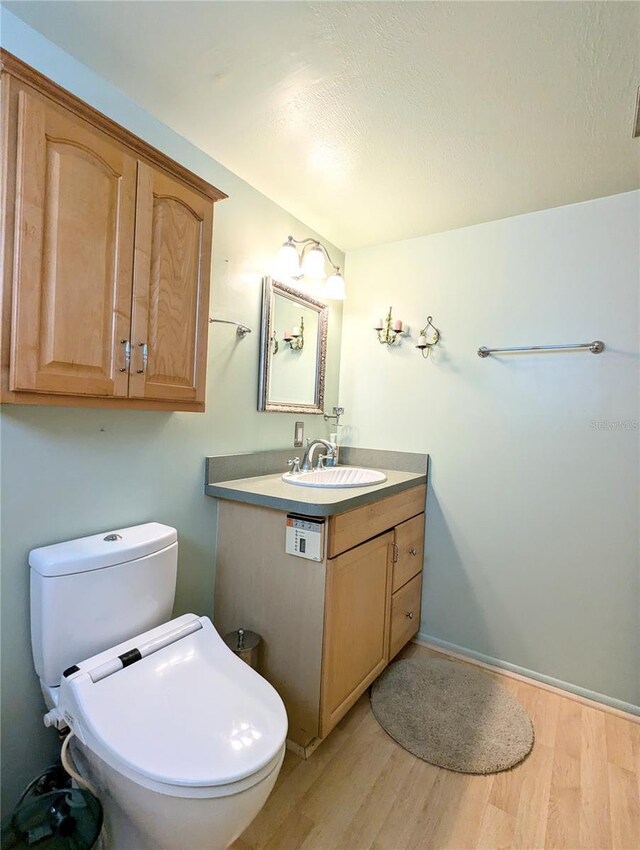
[73, 255]
[409, 551]
[171, 289]
[405, 614]
[356, 638]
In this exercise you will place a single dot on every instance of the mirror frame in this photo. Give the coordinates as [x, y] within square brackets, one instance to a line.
[271, 287]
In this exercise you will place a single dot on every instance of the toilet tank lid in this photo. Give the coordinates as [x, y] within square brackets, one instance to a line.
[106, 549]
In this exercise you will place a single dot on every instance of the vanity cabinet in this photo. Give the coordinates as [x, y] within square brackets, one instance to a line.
[106, 253]
[330, 627]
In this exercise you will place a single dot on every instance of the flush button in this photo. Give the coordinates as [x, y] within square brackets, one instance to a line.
[111, 537]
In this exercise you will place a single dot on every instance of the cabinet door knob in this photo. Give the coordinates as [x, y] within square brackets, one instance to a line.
[413, 551]
[409, 615]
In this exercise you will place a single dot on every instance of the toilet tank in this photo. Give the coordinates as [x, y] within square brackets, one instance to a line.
[92, 593]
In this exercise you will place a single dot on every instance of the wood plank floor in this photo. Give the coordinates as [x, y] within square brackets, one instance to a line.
[578, 790]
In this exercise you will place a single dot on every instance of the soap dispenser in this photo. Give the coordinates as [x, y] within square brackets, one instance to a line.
[333, 440]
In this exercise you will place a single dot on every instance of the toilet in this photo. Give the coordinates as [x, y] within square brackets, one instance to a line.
[182, 739]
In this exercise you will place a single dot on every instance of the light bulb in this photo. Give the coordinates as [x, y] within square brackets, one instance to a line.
[334, 287]
[288, 261]
[313, 262]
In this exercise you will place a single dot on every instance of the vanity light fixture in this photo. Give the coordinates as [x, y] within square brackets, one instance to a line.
[429, 336]
[389, 332]
[309, 262]
[295, 337]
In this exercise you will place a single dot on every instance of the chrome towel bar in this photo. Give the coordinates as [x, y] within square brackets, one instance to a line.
[595, 347]
[241, 329]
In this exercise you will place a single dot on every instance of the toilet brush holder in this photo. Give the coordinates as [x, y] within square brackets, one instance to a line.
[246, 645]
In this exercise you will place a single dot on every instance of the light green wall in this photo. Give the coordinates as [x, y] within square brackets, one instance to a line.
[533, 513]
[71, 472]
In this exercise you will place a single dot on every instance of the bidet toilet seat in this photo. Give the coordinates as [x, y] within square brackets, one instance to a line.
[175, 711]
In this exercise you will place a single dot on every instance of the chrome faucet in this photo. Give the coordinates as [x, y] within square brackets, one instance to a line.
[307, 461]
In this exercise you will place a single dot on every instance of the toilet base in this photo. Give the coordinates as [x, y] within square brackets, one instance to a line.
[137, 818]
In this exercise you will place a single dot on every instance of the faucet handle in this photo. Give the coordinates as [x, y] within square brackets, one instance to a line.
[321, 460]
[294, 465]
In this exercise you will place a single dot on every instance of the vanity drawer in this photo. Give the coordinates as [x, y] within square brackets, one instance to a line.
[405, 614]
[409, 553]
[348, 529]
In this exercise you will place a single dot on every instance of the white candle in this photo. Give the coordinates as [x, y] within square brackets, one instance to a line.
[422, 341]
[397, 325]
[296, 330]
[287, 336]
[379, 325]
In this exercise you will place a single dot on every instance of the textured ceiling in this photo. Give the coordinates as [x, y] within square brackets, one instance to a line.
[379, 121]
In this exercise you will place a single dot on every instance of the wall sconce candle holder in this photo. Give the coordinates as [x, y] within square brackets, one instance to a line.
[428, 338]
[389, 332]
[295, 338]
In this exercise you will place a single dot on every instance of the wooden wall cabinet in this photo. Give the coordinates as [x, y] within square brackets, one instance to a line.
[106, 256]
[331, 627]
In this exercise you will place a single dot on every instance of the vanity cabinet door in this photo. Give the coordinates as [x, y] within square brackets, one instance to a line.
[73, 250]
[170, 289]
[356, 631]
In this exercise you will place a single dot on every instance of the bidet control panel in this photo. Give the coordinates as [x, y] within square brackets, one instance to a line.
[305, 537]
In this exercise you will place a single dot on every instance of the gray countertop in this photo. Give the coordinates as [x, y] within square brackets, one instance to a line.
[270, 491]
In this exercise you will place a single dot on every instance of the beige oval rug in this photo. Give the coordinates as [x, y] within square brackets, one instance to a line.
[452, 715]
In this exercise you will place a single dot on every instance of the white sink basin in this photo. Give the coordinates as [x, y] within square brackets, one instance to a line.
[337, 476]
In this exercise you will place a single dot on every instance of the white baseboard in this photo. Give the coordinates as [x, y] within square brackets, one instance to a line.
[514, 671]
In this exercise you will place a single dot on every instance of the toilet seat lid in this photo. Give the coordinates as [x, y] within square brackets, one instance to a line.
[189, 714]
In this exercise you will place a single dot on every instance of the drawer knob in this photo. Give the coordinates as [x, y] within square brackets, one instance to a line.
[409, 615]
[413, 551]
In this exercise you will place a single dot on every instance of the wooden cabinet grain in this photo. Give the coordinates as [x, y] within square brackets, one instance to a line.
[405, 614]
[105, 252]
[170, 289]
[73, 250]
[409, 550]
[348, 529]
[356, 625]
